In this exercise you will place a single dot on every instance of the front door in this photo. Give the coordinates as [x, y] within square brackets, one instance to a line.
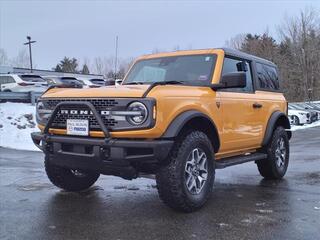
[242, 126]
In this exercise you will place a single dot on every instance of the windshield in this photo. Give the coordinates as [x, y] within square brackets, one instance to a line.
[192, 69]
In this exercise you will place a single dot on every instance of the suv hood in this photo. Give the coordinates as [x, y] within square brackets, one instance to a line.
[107, 91]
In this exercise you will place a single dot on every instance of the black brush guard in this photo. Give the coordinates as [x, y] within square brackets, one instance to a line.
[110, 156]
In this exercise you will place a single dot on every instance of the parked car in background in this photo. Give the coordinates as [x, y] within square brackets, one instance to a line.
[298, 117]
[55, 80]
[313, 107]
[93, 82]
[110, 82]
[22, 83]
[304, 107]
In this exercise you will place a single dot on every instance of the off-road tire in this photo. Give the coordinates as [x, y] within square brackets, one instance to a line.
[65, 178]
[171, 183]
[268, 168]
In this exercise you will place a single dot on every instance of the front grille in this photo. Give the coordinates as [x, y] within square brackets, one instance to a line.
[60, 119]
[97, 103]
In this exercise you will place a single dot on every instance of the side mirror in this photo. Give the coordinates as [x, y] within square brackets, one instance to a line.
[242, 67]
[232, 80]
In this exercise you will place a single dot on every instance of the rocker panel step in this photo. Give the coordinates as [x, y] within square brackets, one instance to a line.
[231, 161]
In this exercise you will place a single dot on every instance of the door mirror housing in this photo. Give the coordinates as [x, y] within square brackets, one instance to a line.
[232, 80]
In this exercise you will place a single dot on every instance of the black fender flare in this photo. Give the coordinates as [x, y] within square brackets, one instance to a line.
[183, 118]
[273, 120]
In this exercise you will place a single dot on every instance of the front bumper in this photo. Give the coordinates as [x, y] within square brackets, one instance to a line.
[109, 156]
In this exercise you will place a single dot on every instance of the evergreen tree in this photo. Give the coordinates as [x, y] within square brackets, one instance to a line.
[69, 65]
[85, 69]
[57, 68]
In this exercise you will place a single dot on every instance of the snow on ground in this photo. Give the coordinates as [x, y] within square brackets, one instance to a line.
[18, 120]
[314, 124]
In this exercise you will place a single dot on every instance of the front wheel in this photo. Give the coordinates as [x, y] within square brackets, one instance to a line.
[70, 179]
[276, 164]
[186, 182]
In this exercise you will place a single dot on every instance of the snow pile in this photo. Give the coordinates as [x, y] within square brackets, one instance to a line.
[17, 121]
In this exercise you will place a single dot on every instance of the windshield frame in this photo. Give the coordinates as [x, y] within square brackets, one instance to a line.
[184, 83]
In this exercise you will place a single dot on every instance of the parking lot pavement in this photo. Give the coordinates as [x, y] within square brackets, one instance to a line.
[243, 205]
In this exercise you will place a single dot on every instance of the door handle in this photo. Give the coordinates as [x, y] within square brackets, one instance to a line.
[257, 105]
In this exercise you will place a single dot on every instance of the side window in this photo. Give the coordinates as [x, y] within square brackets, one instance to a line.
[2, 79]
[6, 79]
[10, 79]
[267, 77]
[231, 65]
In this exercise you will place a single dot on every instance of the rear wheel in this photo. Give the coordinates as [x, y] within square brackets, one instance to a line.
[275, 166]
[295, 120]
[70, 179]
[186, 182]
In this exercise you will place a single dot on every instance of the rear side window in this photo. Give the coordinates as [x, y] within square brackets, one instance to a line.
[31, 78]
[231, 65]
[267, 77]
[97, 81]
[71, 80]
[6, 79]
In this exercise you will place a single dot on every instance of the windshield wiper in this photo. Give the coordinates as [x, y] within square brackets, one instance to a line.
[169, 82]
[156, 83]
[134, 83]
[160, 83]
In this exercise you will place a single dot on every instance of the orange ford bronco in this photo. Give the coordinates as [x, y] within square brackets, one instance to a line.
[178, 115]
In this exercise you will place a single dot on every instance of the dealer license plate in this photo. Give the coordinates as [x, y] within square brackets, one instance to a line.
[77, 127]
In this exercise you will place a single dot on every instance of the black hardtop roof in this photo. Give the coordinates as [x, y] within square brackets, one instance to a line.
[239, 54]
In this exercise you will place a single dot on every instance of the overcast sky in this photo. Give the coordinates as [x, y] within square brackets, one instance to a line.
[87, 29]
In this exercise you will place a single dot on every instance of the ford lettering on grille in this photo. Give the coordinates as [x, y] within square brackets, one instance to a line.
[82, 112]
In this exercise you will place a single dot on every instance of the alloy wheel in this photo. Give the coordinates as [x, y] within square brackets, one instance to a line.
[281, 153]
[196, 171]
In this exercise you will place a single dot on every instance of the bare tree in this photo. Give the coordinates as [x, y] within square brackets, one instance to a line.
[3, 57]
[302, 35]
[21, 60]
[98, 66]
[103, 65]
[236, 42]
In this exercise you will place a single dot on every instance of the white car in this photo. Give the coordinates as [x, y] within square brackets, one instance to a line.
[304, 107]
[22, 83]
[299, 117]
[315, 107]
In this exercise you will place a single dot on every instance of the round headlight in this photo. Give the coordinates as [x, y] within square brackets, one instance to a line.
[42, 114]
[138, 113]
